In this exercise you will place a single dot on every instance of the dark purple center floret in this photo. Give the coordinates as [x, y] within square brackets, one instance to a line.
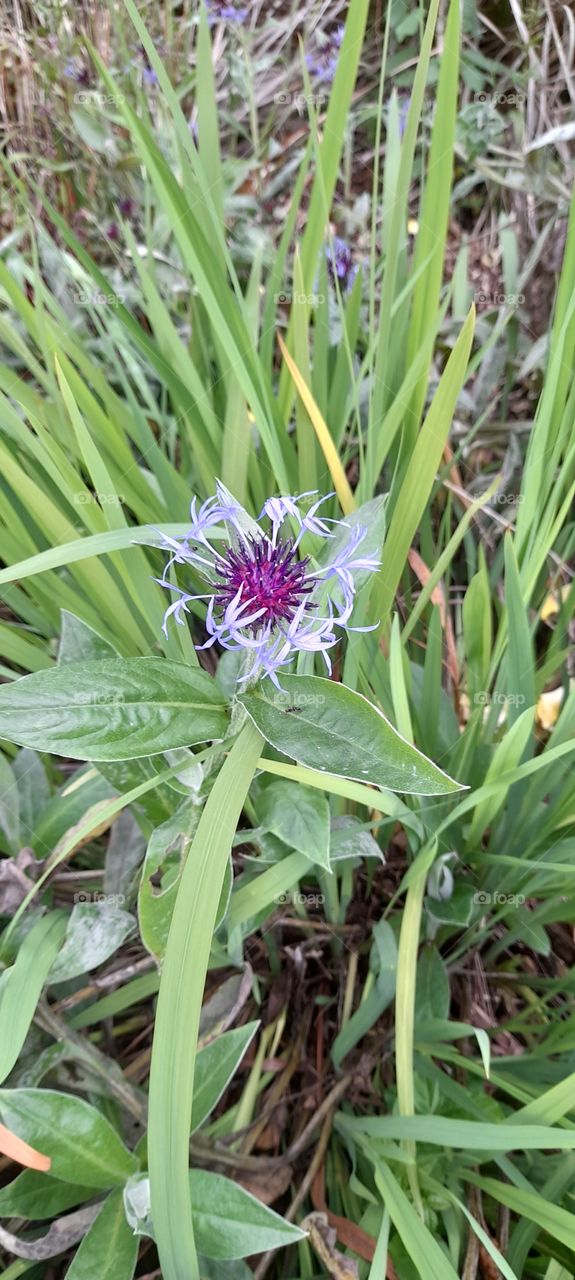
[271, 578]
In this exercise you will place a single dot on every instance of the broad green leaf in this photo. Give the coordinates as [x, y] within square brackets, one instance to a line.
[9, 808]
[118, 709]
[331, 728]
[81, 1143]
[231, 1223]
[124, 855]
[350, 838]
[215, 1066]
[109, 1250]
[298, 816]
[228, 1221]
[80, 643]
[432, 986]
[66, 807]
[33, 790]
[21, 986]
[165, 855]
[38, 1195]
[95, 931]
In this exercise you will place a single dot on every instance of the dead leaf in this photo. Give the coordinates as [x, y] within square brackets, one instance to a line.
[267, 1186]
[322, 1238]
[553, 602]
[15, 880]
[549, 706]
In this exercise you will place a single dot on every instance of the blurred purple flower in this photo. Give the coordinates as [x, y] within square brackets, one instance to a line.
[340, 264]
[127, 207]
[262, 596]
[223, 11]
[74, 70]
[322, 62]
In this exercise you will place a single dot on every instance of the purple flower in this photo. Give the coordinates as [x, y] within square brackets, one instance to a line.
[222, 11]
[340, 264]
[77, 71]
[127, 207]
[263, 597]
[322, 62]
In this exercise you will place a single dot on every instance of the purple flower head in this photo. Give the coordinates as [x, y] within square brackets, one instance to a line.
[340, 264]
[224, 11]
[127, 207]
[263, 596]
[322, 61]
[77, 71]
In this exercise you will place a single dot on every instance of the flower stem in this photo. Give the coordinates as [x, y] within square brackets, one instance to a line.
[179, 1007]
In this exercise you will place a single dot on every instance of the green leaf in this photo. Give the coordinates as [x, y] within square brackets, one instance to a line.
[432, 986]
[9, 808]
[231, 1223]
[470, 1135]
[298, 816]
[109, 1250]
[81, 791]
[82, 1145]
[37, 1196]
[119, 709]
[329, 727]
[431, 1261]
[165, 855]
[21, 986]
[552, 1218]
[80, 643]
[228, 1221]
[33, 790]
[95, 931]
[182, 987]
[215, 1066]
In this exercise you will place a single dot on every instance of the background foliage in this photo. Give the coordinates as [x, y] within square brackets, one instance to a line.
[389, 1044]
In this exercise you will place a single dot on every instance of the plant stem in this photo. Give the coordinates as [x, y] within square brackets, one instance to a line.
[179, 1006]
